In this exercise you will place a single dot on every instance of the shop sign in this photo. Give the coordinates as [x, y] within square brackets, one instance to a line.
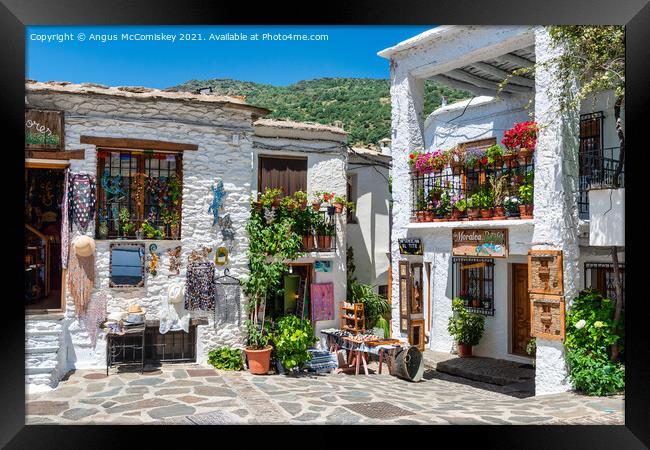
[410, 246]
[43, 130]
[489, 243]
[323, 266]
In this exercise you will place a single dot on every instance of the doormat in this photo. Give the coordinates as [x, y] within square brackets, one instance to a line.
[378, 410]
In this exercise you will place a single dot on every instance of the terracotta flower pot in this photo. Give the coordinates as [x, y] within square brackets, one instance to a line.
[464, 350]
[473, 213]
[523, 155]
[487, 213]
[257, 205]
[303, 205]
[420, 215]
[509, 158]
[428, 216]
[306, 241]
[339, 207]
[499, 213]
[526, 211]
[316, 206]
[276, 202]
[324, 242]
[456, 214]
[259, 361]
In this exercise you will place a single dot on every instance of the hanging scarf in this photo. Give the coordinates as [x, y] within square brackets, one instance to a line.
[82, 199]
[81, 278]
[200, 287]
[65, 224]
[322, 301]
[94, 316]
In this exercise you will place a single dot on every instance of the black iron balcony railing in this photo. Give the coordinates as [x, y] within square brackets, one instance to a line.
[597, 171]
[498, 185]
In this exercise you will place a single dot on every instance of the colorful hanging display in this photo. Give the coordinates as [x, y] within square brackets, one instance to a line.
[65, 224]
[94, 316]
[174, 260]
[322, 301]
[81, 278]
[200, 287]
[218, 194]
[82, 199]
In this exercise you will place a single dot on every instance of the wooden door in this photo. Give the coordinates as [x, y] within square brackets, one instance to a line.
[520, 309]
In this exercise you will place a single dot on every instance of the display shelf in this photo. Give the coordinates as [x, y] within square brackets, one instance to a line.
[352, 322]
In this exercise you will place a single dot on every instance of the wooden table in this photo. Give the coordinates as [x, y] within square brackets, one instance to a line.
[114, 347]
[358, 351]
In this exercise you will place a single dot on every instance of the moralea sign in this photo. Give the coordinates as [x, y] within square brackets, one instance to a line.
[490, 243]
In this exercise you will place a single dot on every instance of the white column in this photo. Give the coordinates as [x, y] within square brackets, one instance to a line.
[555, 210]
[407, 100]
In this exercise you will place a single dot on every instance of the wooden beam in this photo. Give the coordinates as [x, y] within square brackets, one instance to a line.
[487, 84]
[514, 59]
[137, 144]
[500, 73]
[451, 82]
[69, 154]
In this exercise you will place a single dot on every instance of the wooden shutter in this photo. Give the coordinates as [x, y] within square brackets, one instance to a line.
[404, 295]
[288, 174]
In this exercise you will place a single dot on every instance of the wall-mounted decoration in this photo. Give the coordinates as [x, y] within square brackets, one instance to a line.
[547, 317]
[416, 333]
[152, 267]
[44, 130]
[545, 272]
[137, 192]
[82, 199]
[199, 255]
[126, 265]
[221, 256]
[227, 230]
[227, 300]
[404, 295]
[200, 286]
[218, 194]
[81, 277]
[323, 266]
[174, 255]
[489, 243]
[410, 246]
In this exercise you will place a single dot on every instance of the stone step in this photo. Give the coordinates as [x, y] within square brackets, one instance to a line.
[40, 370]
[32, 350]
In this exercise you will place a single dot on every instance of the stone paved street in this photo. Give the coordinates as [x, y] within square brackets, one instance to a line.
[181, 394]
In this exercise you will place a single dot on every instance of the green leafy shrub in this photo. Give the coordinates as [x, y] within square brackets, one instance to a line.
[374, 305]
[226, 358]
[590, 332]
[466, 327]
[292, 337]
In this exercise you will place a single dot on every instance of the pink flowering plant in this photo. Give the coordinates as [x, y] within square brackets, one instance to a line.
[521, 135]
[431, 162]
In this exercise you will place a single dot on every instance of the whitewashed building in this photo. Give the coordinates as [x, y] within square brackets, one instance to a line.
[574, 152]
[205, 141]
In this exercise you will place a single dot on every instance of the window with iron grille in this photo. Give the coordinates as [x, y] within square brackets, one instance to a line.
[146, 184]
[600, 276]
[473, 282]
[590, 154]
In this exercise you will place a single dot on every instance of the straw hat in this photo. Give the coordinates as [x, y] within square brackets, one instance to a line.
[135, 309]
[175, 293]
[84, 246]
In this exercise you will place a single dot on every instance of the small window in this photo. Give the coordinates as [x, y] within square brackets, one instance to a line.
[383, 290]
[352, 197]
[600, 276]
[126, 265]
[473, 282]
[288, 174]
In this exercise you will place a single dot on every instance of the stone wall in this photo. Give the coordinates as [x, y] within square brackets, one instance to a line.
[223, 137]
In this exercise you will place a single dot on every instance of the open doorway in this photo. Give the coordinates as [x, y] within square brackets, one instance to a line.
[44, 192]
[294, 295]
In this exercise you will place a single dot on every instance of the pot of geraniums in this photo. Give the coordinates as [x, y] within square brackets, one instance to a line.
[511, 205]
[292, 337]
[125, 222]
[443, 207]
[300, 198]
[456, 159]
[526, 197]
[499, 184]
[171, 218]
[494, 155]
[473, 207]
[317, 201]
[429, 213]
[458, 206]
[465, 327]
[413, 157]
[475, 158]
[340, 203]
[258, 350]
[522, 136]
[324, 231]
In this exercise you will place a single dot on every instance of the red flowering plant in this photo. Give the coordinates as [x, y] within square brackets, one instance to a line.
[431, 162]
[522, 135]
[413, 157]
[475, 158]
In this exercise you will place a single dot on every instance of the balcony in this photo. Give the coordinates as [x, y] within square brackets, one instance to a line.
[493, 192]
[597, 171]
[321, 235]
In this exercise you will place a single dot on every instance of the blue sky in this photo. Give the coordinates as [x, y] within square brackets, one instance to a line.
[350, 51]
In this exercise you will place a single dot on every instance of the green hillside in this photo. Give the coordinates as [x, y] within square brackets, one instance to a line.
[362, 104]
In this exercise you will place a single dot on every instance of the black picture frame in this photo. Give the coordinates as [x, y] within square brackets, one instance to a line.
[635, 14]
[131, 247]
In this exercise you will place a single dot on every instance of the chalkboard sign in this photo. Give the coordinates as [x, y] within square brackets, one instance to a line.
[410, 246]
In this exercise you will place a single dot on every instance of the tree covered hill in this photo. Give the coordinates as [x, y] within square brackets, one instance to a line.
[362, 104]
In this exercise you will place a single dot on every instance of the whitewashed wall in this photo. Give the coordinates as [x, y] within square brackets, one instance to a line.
[219, 156]
[326, 165]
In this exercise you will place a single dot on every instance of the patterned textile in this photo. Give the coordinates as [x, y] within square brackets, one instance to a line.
[81, 278]
[65, 224]
[82, 199]
[200, 287]
[228, 304]
[94, 316]
[322, 301]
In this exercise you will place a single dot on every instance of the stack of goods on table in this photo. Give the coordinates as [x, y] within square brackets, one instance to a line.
[321, 361]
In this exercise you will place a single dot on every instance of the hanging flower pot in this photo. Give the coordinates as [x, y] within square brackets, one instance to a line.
[509, 158]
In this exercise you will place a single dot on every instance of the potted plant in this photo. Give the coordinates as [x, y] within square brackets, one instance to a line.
[494, 154]
[473, 207]
[522, 136]
[102, 215]
[420, 204]
[339, 202]
[465, 327]
[498, 184]
[171, 218]
[271, 197]
[458, 206]
[258, 350]
[125, 221]
[413, 157]
[300, 197]
[324, 231]
[485, 201]
[429, 214]
[442, 207]
[174, 190]
[526, 197]
[315, 204]
[292, 337]
[288, 203]
[511, 205]
[150, 231]
[475, 158]
[509, 155]
[456, 159]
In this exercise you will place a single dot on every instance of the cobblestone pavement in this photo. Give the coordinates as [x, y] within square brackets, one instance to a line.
[190, 394]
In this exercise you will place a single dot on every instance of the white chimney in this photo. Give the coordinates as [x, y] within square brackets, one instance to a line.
[443, 101]
[384, 145]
